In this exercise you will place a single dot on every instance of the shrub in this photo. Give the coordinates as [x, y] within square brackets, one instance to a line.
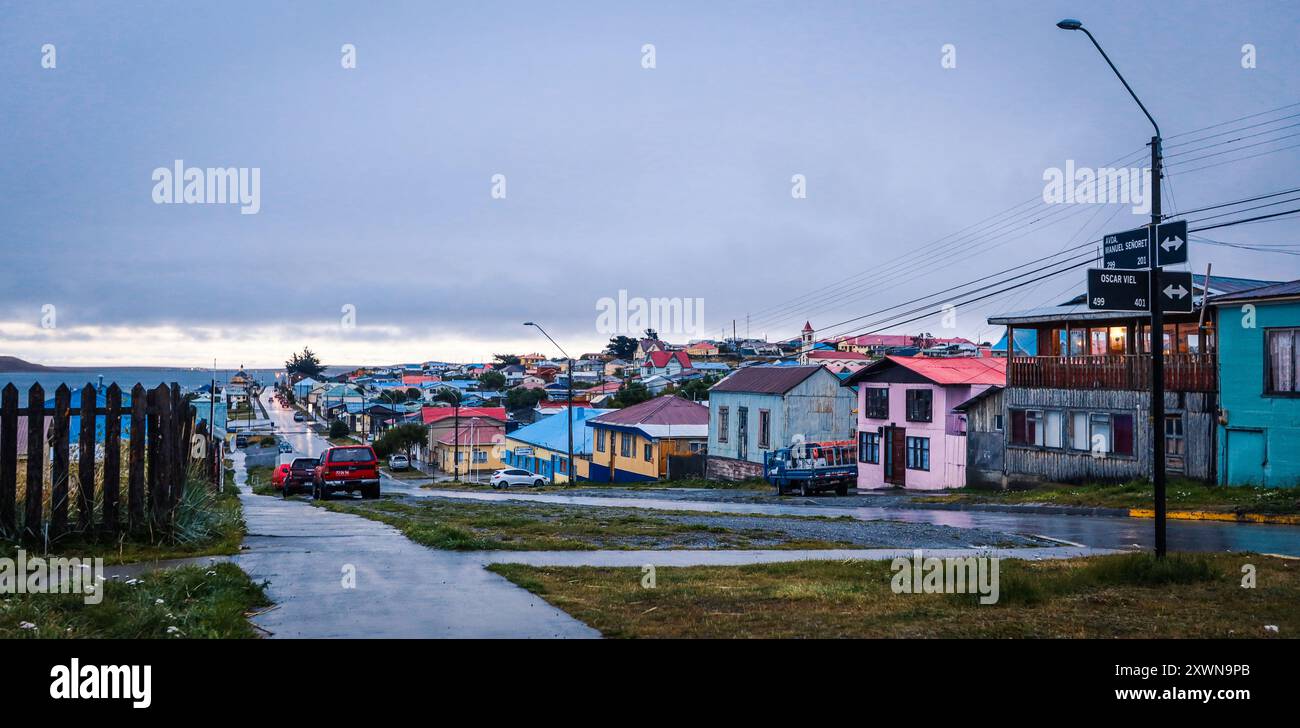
[338, 428]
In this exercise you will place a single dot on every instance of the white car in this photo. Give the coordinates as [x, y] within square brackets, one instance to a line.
[398, 462]
[515, 476]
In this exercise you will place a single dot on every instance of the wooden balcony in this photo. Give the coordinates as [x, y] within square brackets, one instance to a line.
[1183, 372]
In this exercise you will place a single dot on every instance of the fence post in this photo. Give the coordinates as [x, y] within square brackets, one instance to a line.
[86, 460]
[59, 469]
[155, 456]
[8, 460]
[112, 455]
[35, 462]
[135, 466]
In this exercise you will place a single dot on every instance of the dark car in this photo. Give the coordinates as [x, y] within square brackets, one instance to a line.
[302, 474]
[299, 417]
[347, 468]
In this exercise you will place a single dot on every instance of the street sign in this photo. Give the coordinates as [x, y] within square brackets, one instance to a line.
[1176, 291]
[1171, 243]
[1119, 290]
[1129, 290]
[1129, 250]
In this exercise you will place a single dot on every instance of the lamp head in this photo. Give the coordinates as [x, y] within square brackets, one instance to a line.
[1070, 24]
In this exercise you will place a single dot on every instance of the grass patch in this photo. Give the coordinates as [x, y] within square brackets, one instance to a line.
[259, 479]
[1128, 595]
[196, 602]
[1180, 494]
[474, 526]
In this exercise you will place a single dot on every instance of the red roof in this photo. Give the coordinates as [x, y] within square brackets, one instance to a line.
[417, 379]
[431, 415]
[827, 354]
[943, 370]
[666, 410]
[895, 340]
[661, 358]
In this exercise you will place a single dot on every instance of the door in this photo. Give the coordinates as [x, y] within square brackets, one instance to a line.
[896, 455]
[1246, 457]
[742, 433]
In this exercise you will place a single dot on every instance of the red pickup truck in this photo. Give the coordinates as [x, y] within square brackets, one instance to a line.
[350, 468]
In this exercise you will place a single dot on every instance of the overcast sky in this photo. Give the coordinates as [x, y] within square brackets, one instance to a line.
[674, 181]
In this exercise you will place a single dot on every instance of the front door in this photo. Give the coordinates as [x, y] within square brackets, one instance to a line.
[896, 456]
[742, 433]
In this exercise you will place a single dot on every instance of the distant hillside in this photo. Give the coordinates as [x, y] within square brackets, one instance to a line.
[14, 364]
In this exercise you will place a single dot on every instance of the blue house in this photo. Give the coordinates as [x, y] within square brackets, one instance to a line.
[74, 422]
[758, 409]
[543, 447]
[1259, 381]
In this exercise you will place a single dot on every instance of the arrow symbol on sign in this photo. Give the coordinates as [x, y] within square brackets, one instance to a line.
[1178, 292]
[1172, 244]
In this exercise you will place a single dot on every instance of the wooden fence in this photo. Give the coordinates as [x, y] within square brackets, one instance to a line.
[1183, 372]
[160, 423]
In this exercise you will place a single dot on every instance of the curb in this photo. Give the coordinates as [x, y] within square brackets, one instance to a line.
[1275, 518]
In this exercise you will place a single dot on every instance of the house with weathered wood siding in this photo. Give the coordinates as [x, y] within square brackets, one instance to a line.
[908, 434]
[1259, 375]
[1079, 408]
[757, 409]
[985, 439]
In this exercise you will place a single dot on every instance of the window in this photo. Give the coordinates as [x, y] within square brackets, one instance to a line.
[1099, 432]
[997, 423]
[868, 447]
[764, 429]
[480, 456]
[876, 405]
[648, 452]
[1122, 428]
[1053, 428]
[919, 405]
[1174, 440]
[625, 445]
[1027, 427]
[1280, 367]
[600, 440]
[918, 453]
[724, 423]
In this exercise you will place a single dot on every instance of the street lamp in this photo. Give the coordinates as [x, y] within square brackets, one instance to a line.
[569, 476]
[1157, 319]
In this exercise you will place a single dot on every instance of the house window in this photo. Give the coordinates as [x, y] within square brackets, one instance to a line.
[480, 456]
[876, 404]
[919, 404]
[564, 466]
[724, 423]
[648, 452]
[1053, 428]
[1027, 427]
[1175, 444]
[997, 423]
[600, 440]
[764, 429]
[1280, 367]
[918, 453]
[869, 447]
[1099, 433]
[625, 445]
[1122, 430]
[1079, 431]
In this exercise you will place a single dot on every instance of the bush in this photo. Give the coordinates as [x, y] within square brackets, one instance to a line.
[1145, 569]
[339, 428]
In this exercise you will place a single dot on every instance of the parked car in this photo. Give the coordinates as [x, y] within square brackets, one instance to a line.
[516, 476]
[347, 468]
[299, 417]
[241, 440]
[398, 462]
[278, 475]
[285, 447]
[302, 472]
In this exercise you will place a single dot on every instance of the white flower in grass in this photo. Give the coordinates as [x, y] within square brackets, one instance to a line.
[173, 630]
[157, 601]
[26, 625]
[132, 582]
[1270, 628]
[210, 573]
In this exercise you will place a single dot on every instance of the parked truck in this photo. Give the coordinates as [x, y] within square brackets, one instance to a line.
[812, 467]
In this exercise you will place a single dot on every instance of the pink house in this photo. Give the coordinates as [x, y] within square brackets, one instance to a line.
[908, 435]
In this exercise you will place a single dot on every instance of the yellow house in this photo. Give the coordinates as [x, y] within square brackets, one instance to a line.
[476, 450]
[633, 444]
[543, 447]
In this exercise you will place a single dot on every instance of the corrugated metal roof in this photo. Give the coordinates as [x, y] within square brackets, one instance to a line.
[945, 370]
[666, 410]
[1077, 308]
[1277, 290]
[434, 414]
[765, 379]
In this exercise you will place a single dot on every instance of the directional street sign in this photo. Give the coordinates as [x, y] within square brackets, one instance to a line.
[1171, 243]
[1176, 291]
[1129, 290]
[1119, 290]
[1129, 250]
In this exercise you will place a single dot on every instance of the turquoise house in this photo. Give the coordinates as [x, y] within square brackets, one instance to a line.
[1259, 381]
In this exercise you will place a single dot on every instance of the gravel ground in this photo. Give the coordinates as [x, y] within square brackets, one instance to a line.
[866, 534]
[877, 499]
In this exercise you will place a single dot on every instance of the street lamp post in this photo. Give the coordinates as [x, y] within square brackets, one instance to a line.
[568, 476]
[1156, 343]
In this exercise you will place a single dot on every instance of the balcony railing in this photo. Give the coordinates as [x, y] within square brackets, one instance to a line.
[1183, 372]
